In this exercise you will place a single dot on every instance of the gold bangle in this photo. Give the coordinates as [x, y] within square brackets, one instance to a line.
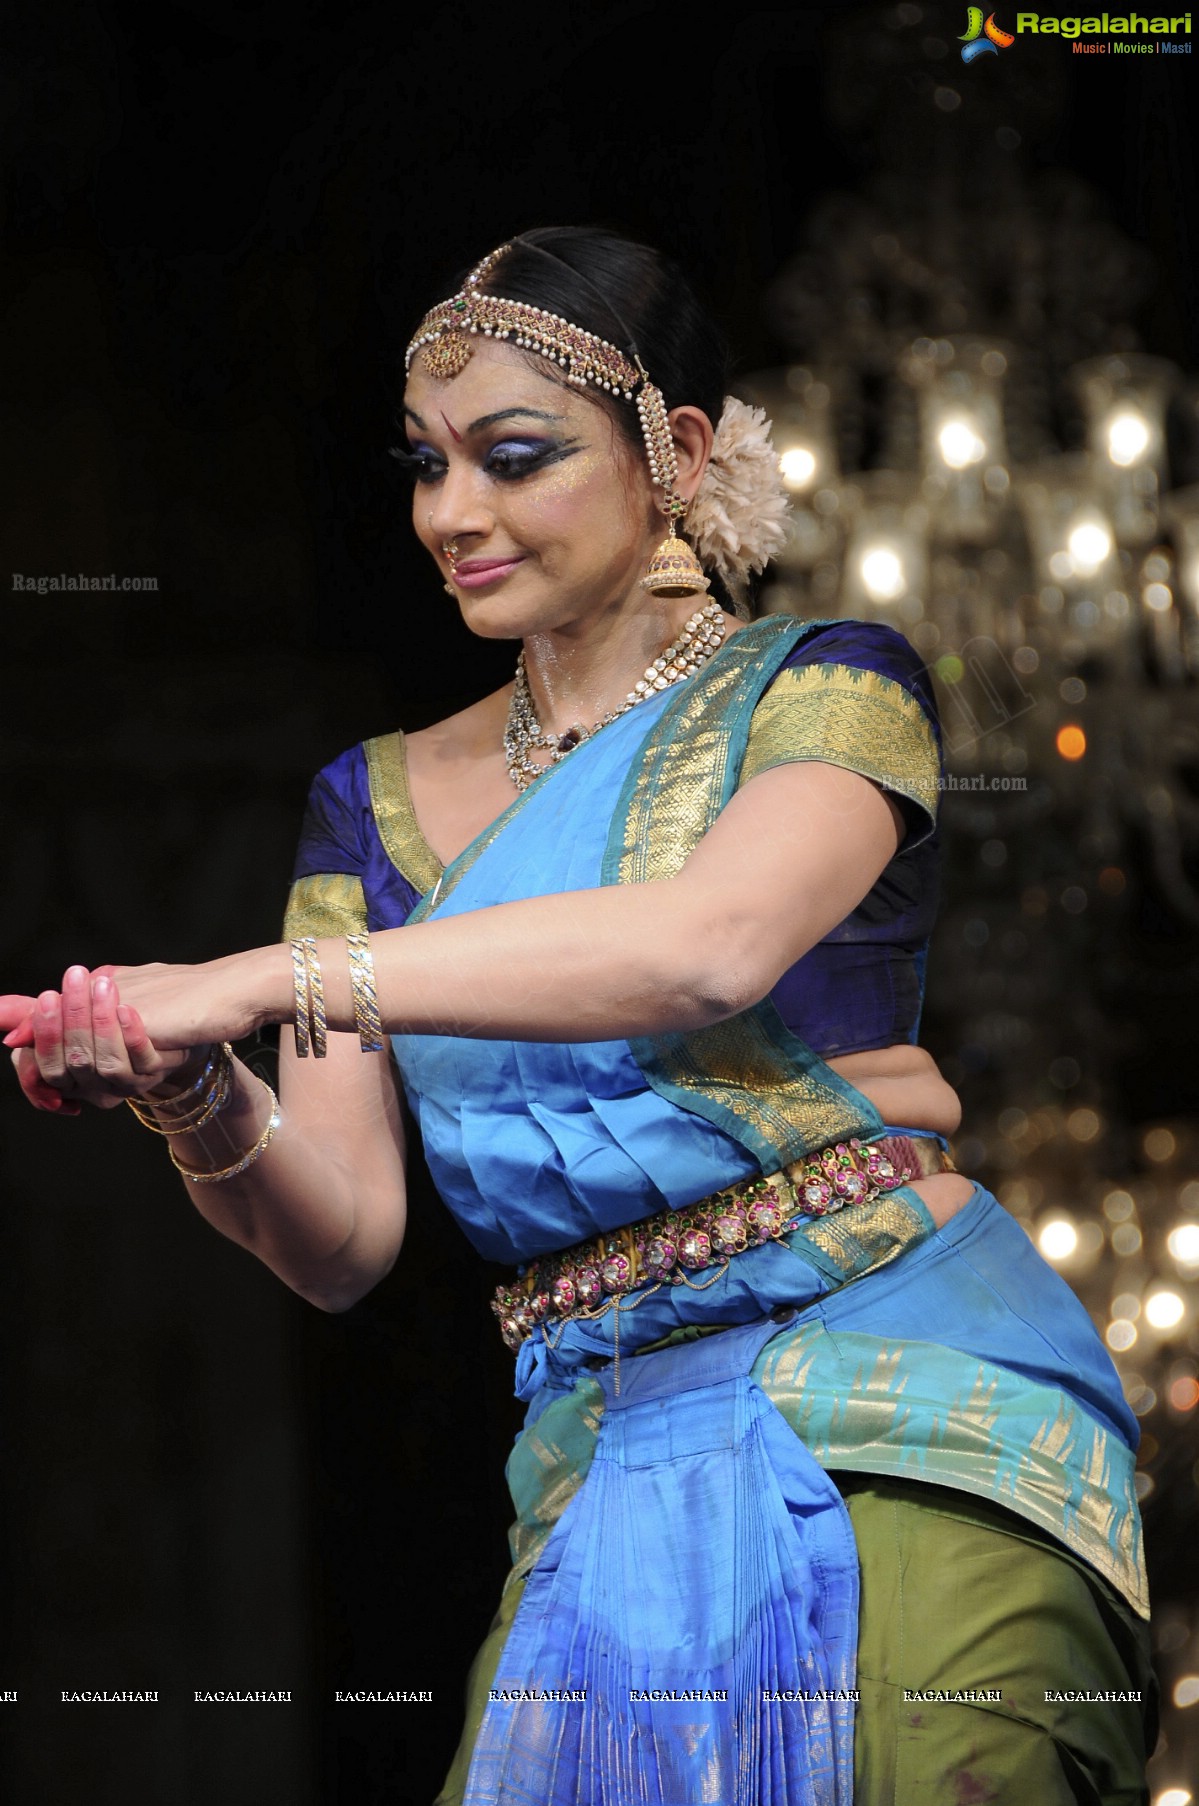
[198, 1085]
[239, 1166]
[316, 992]
[211, 1105]
[366, 1002]
[299, 973]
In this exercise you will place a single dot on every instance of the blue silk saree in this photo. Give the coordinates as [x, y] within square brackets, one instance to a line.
[688, 1608]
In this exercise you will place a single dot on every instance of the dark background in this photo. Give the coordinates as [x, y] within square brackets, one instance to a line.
[221, 222]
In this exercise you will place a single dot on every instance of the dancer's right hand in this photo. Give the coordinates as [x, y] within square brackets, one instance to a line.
[83, 1045]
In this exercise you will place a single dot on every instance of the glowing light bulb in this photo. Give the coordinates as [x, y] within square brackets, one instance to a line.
[1121, 1334]
[1164, 1309]
[798, 466]
[1173, 1796]
[1071, 742]
[1058, 1239]
[1186, 1690]
[1089, 544]
[960, 444]
[1183, 1244]
[1127, 438]
[1159, 1143]
[882, 574]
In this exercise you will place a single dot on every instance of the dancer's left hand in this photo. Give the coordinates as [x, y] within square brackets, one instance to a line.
[83, 1045]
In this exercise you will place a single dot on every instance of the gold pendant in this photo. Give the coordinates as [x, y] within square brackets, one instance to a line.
[447, 356]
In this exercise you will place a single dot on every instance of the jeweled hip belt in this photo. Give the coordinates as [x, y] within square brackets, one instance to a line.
[665, 1249]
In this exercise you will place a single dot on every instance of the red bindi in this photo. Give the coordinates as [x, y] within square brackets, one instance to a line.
[456, 435]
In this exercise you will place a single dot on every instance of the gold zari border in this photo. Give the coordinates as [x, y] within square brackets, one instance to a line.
[391, 804]
[849, 717]
[1073, 1479]
[682, 775]
[546, 1468]
[747, 1074]
[856, 1240]
[327, 903]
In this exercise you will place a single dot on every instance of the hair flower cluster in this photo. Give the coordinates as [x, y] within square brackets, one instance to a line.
[738, 519]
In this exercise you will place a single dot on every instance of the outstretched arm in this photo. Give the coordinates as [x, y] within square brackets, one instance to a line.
[788, 859]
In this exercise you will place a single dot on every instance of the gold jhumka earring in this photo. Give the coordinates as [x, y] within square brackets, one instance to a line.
[674, 570]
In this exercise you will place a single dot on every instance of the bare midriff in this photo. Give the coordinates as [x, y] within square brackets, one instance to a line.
[905, 1086]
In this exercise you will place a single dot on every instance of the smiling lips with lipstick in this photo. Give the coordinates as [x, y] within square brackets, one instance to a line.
[475, 573]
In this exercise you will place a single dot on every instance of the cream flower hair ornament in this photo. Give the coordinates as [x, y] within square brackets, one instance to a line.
[738, 518]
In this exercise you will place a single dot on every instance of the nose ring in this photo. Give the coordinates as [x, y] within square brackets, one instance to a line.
[450, 548]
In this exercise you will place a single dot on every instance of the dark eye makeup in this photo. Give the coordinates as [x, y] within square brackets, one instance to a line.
[508, 460]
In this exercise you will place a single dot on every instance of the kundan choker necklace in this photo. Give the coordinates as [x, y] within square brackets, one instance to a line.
[699, 639]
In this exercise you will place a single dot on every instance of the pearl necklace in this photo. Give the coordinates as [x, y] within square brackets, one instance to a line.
[699, 639]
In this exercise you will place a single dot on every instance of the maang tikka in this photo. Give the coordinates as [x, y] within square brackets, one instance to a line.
[443, 342]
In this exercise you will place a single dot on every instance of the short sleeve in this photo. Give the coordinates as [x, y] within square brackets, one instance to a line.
[856, 694]
[327, 895]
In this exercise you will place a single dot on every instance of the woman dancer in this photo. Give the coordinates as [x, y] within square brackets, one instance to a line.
[824, 1473]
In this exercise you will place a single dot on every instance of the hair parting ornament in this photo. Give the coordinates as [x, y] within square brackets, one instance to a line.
[738, 515]
[443, 340]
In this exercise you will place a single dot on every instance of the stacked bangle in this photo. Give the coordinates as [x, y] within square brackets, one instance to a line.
[312, 1031]
[201, 1101]
[299, 973]
[246, 1160]
[316, 992]
[311, 1027]
[366, 1002]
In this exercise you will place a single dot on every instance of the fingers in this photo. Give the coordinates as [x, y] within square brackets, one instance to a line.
[41, 1095]
[122, 1053]
[78, 1043]
[48, 1045]
[144, 1058]
[110, 1057]
[15, 1011]
[84, 1043]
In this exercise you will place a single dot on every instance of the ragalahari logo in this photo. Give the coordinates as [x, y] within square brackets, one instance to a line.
[982, 37]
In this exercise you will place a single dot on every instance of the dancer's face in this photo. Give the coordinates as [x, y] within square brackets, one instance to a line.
[549, 505]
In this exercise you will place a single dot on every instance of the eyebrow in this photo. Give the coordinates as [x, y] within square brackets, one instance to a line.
[476, 426]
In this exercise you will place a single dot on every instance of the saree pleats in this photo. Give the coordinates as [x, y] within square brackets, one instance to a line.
[956, 1593]
[705, 1563]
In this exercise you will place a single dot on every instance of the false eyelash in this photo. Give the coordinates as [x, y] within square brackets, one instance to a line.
[423, 467]
[417, 466]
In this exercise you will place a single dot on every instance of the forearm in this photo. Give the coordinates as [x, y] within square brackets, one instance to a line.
[581, 966]
[614, 962]
[297, 1207]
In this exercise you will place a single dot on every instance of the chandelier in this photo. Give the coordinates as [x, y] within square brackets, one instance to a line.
[981, 452]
